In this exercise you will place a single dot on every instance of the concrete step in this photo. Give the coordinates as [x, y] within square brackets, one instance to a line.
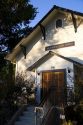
[28, 117]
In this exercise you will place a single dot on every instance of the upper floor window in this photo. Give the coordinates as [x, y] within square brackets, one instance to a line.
[58, 23]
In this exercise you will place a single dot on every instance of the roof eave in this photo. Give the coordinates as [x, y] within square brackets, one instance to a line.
[27, 39]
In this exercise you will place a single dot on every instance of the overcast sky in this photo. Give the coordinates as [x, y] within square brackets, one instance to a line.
[45, 5]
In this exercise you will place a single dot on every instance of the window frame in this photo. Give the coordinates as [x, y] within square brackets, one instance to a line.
[56, 23]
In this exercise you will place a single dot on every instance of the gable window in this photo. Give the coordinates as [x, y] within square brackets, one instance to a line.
[58, 23]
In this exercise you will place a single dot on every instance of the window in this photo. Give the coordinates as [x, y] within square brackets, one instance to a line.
[58, 23]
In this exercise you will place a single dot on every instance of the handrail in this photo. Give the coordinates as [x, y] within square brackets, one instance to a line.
[40, 109]
[46, 116]
[50, 118]
[70, 95]
[43, 109]
[44, 98]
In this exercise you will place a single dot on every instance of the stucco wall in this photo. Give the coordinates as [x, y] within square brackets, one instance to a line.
[55, 63]
[36, 48]
[64, 35]
[34, 51]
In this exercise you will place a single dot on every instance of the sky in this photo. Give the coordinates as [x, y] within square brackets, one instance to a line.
[45, 5]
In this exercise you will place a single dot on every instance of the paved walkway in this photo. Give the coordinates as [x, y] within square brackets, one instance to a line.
[28, 117]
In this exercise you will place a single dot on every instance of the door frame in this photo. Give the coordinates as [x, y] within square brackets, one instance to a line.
[57, 70]
[65, 80]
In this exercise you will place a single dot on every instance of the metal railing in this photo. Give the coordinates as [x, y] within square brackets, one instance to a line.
[51, 99]
[42, 109]
[70, 95]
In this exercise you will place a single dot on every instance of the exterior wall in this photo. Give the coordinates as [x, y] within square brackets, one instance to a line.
[63, 35]
[36, 48]
[58, 63]
[33, 54]
[53, 64]
[54, 36]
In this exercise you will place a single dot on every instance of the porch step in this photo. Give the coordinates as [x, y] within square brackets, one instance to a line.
[28, 117]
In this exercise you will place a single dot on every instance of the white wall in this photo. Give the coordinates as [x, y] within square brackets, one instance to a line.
[36, 48]
[54, 63]
[66, 34]
[59, 63]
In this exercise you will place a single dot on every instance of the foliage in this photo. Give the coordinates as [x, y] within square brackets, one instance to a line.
[74, 113]
[25, 78]
[14, 95]
[15, 16]
[11, 93]
[26, 81]
[2, 61]
[78, 93]
[6, 79]
[67, 123]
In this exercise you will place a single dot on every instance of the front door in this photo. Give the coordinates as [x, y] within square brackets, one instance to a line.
[56, 81]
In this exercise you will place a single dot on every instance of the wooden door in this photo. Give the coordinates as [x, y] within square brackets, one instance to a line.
[56, 81]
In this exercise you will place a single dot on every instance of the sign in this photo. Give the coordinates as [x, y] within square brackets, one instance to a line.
[60, 45]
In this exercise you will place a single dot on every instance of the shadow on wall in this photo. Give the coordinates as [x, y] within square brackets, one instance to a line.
[34, 50]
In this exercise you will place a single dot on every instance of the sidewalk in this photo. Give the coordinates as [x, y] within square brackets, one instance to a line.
[28, 117]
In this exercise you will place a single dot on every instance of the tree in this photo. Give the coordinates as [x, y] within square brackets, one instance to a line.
[15, 17]
[26, 80]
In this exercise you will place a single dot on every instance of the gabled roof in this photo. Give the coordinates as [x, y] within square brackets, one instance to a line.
[11, 56]
[41, 60]
[47, 56]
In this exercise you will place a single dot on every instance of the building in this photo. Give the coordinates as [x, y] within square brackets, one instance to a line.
[53, 54]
